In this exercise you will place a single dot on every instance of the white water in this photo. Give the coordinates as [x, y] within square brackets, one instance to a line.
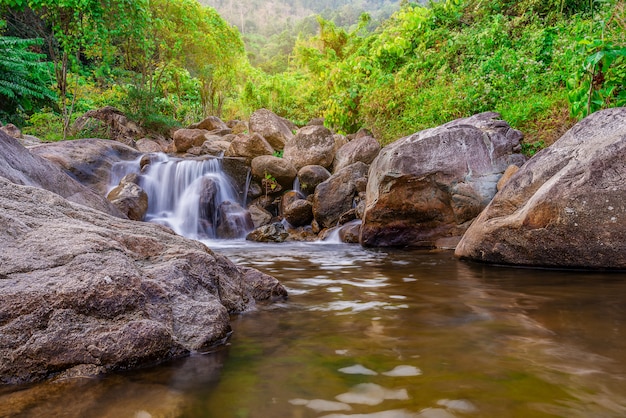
[193, 197]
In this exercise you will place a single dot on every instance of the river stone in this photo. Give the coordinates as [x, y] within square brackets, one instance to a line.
[101, 293]
[268, 166]
[259, 216]
[432, 184]
[233, 221]
[565, 207]
[188, 138]
[310, 176]
[336, 195]
[249, 146]
[212, 123]
[21, 166]
[274, 232]
[271, 127]
[148, 145]
[312, 145]
[299, 213]
[364, 149]
[129, 198]
[87, 160]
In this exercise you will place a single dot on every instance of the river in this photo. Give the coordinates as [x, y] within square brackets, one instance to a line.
[383, 334]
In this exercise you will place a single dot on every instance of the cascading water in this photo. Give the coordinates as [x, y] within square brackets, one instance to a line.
[193, 197]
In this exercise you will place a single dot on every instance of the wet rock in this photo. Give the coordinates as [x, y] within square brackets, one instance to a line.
[99, 293]
[259, 216]
[310, 176]
[129, 198]
[350, 232]
[274, 232]
[336, 195]
[434, 183]
[233, 221]
[271, 127]
[299, 213]
[363, 149]
[312, 145]
[564, 207]
[21, 166]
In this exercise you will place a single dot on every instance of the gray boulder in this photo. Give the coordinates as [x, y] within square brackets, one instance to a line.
[432, 184]
[565, 207]
[336, 196]
[271, 127]
[363, 148]
[87, 160]
[21, 166]
[98, 293]
[312, 145]
[249, 146]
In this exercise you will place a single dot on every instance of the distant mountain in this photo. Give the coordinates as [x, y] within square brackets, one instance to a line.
[268, 17]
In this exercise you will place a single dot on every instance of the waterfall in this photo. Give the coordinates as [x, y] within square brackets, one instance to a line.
[193, 197]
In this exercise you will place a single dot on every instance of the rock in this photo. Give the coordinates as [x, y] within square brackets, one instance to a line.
[21, 166]
[336, 195]
[312, 145]
[12, 130]
[350, 232]
[433, 183]
[288, 198]
[310, 176]
[187, 138]
[259, 216]
[280, 169]
[275, 232]
[212, 123]
[215, 148]
[299, 213]
[233, 221]
[264, 288]
[238, 126]
[129, 198]
[340, 141]
[120, 128]
[98, 293]
[364, 149]
[565, 207]
[148, 145]
[87, 160]
[316, 121]
[508, 173]
[271, 127]
[249, 146]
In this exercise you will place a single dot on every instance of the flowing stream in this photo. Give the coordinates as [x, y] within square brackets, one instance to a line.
[381, 334]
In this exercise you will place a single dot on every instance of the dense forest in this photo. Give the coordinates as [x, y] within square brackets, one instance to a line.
[541, 63]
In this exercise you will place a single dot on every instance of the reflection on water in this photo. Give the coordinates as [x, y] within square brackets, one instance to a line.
[384, 334]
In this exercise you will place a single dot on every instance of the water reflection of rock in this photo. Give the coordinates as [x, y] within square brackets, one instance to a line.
[156, 392]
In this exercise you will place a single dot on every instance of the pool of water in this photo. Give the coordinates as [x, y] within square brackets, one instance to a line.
[383, 334]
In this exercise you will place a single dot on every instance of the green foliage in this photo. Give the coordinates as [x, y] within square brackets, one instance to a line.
[24, 77]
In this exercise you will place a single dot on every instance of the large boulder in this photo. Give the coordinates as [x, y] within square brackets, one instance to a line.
[184, 139]
[271, 127]
[274, 168]
[564, 207]
[364, 149]
[431, 185]
[312, 145]
[275, 232]
[310, 176]
[87, 160]
[97, 293]
[21, 166]
[336, 196]
[249, 146]
[212, 123]
[129, 198]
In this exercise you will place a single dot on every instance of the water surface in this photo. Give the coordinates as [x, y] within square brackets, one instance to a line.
[383, 334]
